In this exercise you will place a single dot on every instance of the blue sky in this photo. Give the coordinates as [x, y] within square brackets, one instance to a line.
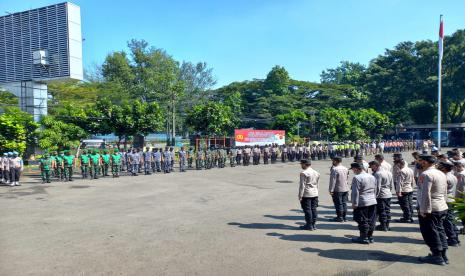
[243, 39]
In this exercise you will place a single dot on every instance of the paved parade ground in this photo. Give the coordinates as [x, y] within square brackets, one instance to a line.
[232, 221]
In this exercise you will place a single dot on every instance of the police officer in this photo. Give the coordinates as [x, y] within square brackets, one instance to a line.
[157, 159]
[147, 156]
[172, 158]
[16, 167]
[6, 169]
[166, 161]
[339, 188]
[404, 190]
[182, 159]
[449, 226]
[308, 194]
[432, 210]
[384, 184]
[199, 159]
[363, 203]
[232, 157]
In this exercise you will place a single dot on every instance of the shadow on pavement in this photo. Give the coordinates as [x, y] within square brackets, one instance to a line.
[361, 255]
[275, 226]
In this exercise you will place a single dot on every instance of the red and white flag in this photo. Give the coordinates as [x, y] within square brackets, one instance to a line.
[441, 38]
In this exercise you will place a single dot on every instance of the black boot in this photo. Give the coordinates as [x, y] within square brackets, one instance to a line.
[344, 216]
[381, 227]
[435, 258]
[339, 217]
[444, 256]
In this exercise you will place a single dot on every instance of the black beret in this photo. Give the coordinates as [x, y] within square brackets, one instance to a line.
[428, 158]
[446, 164]
[337, 158]
[305, 162]
[376, 163]
[355, 166]
[379, 156]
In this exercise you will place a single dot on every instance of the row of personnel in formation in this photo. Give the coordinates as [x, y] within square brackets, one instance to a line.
[439, 179]
[11, 167]
[95, 163]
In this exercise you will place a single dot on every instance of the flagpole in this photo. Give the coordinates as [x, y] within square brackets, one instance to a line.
[440, 82]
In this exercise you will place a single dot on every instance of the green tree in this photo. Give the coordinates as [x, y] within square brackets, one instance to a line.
[277, 80]
[57, 134]
[211, 118]
[12, 134]
[290, 122]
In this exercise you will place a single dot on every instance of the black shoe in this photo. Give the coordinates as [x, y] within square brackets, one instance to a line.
[314, 227]
[344, 219]
[402, 220]
[337, 219]
[371, 240]
[306, 227]
[360, 240]
[430, 259]
[453, 244]
[381, 228]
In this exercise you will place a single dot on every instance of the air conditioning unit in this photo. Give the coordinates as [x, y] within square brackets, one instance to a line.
[40, 57]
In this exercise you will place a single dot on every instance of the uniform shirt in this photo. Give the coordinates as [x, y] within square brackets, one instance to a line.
[308, 185]
[432, 191]
[5, 163]
[46, 163]
[386, 166]
[363, 190]
[116, 159]
[94, 159]
[182, 154]
[338, 181]
[147, 156]
[84, 159]
[157, 156]
[405, 180]
[106, 158]
[16, 162]
[383, 183]
[134, 158]
[68, 160]
[167, 156]
[460, 190]
[451, 186]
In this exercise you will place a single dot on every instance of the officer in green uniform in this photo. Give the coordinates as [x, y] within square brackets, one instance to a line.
[85, 161]
[115, 163]
[95, 163]
[54, 168]
[59, 171]
[105, 163]
[46, 164]
[190, 158]
[68, 163]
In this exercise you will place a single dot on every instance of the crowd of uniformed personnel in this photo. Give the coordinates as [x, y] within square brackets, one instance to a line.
[11, 166]
[439, 178]
[95, 163]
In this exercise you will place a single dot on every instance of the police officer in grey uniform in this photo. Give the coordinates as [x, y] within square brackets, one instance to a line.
[167, 161]
[182, 159]
[363, 203]
[384, 184]
[147, 155]
[339, 188]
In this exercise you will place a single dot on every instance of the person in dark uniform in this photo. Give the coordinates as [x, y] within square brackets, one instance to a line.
[432, 210]
[363, 203]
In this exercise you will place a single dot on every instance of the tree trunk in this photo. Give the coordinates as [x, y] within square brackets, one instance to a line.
[139, 141]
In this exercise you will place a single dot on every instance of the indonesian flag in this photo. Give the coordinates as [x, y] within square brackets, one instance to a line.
[441, 38]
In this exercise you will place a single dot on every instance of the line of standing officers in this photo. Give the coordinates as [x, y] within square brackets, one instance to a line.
[438, 181]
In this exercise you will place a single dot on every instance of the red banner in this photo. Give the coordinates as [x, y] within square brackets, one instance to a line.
[249, 137]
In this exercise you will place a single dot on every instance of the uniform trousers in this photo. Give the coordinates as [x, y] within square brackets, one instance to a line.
[383, 209]
[340, 202]
[450, 228]
[366, 220]
[432, 230]
[406, 204]
[309, 205]
[15, 174]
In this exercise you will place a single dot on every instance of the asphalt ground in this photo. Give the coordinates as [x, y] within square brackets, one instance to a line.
[231, 221]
